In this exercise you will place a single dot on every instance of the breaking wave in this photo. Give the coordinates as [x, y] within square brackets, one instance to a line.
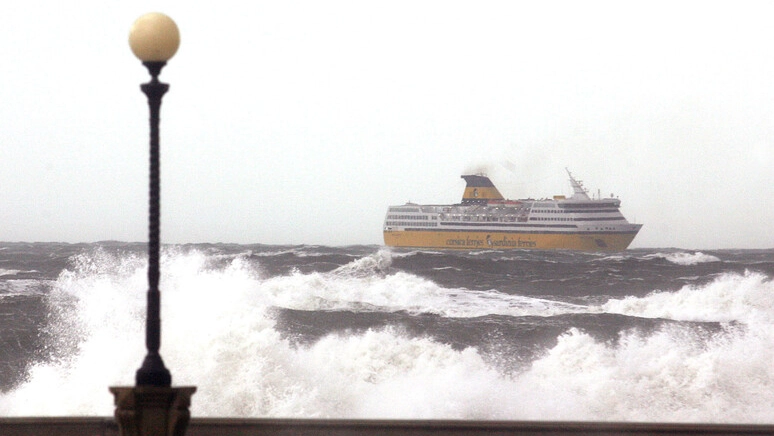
[219, 334]
[685, 258]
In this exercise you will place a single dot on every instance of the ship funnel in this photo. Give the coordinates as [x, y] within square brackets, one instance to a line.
[479, 189]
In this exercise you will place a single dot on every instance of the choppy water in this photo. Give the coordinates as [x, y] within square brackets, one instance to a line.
[366, 332]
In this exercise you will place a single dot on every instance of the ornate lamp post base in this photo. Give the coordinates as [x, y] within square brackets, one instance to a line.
[152, 411]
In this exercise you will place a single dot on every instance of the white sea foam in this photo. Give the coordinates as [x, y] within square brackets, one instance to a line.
[8, 272]
[685, 258]
[367, 266]
[729, 297]
[365, 283]
[665, 376]
[613, 258]
[218, 334]
[21, 287]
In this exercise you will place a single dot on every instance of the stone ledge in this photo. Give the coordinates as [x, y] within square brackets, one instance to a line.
[99, 426]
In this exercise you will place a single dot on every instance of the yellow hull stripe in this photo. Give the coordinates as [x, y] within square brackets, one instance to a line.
[462, 240]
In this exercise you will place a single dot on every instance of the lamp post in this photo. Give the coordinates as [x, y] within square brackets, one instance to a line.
[154, 39]
[153, 407]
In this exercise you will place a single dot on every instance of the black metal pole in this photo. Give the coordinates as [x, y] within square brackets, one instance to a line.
[153, 372]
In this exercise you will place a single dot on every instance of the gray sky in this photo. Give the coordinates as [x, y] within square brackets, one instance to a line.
[292, 122]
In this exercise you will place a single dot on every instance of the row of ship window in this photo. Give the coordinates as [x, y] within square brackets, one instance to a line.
[456, 217]
[409, 217]
[550, 219]
[488, 218]
[435, 224]
[588, 211]
[411, 224]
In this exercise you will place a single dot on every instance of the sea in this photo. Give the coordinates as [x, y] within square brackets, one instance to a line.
[309, 331]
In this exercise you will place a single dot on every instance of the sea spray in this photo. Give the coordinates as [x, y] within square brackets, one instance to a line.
[686, 353]
[728, 297]
[670, 375]
[686, 258]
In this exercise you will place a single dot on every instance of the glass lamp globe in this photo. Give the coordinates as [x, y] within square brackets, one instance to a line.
[154, 37]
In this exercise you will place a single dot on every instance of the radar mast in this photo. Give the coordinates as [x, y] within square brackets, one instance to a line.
[579, 191]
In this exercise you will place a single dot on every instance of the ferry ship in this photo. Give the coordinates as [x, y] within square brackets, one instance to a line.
[486, 220]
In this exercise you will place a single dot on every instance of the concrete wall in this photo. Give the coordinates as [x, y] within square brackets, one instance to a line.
[75, 426]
